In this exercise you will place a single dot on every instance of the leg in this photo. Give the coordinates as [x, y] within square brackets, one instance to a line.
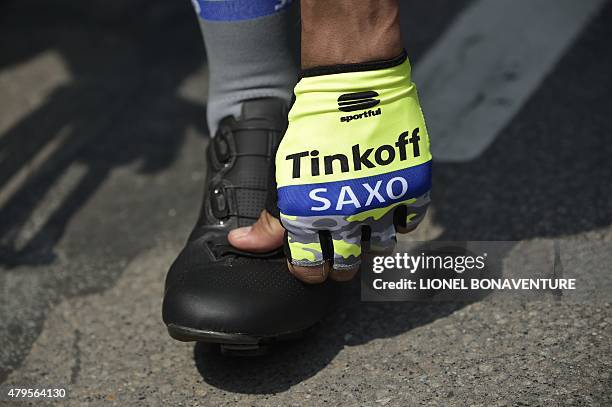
[251, 49]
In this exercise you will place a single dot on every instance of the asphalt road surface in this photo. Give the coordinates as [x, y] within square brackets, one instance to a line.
[102, 136]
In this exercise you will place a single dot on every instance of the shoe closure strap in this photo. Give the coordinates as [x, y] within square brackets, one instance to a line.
[243, 139]
[251, 137]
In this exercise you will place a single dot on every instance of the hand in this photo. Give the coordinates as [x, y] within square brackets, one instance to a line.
[353, 166]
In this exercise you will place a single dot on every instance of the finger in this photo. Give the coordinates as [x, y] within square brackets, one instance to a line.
[382, 238]
[407, 217]
[306, 259]
[343, 275]
[379, 234]
[263, 236]
[303, 249]
[311, 274]
[346, 246]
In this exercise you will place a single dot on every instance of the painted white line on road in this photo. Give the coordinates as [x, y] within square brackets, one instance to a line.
[487, 64]
[48, 204]
[31, 167]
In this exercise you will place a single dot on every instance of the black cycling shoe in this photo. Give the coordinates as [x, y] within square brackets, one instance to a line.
[217, 293]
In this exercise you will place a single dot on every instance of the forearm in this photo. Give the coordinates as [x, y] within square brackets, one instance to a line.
[349, 31]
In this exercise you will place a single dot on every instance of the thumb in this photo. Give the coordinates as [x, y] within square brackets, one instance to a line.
[265, 235]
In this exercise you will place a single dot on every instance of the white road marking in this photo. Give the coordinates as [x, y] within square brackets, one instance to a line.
[48, 204]
[32, 167]
[486, 66]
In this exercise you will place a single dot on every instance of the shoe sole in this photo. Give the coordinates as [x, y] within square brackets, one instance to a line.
[234, 344]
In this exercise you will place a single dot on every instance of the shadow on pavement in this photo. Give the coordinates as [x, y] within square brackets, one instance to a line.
[119, 107]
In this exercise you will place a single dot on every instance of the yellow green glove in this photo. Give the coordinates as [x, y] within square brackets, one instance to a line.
[354, 162]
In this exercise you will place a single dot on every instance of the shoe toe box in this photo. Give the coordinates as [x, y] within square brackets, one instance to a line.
[240, 295]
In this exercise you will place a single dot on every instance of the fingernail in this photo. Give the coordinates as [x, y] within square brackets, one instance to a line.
[240, 232]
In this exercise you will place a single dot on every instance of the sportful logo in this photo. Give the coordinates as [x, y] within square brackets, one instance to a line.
[349, 102]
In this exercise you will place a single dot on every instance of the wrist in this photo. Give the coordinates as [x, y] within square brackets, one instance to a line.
[348, 32]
